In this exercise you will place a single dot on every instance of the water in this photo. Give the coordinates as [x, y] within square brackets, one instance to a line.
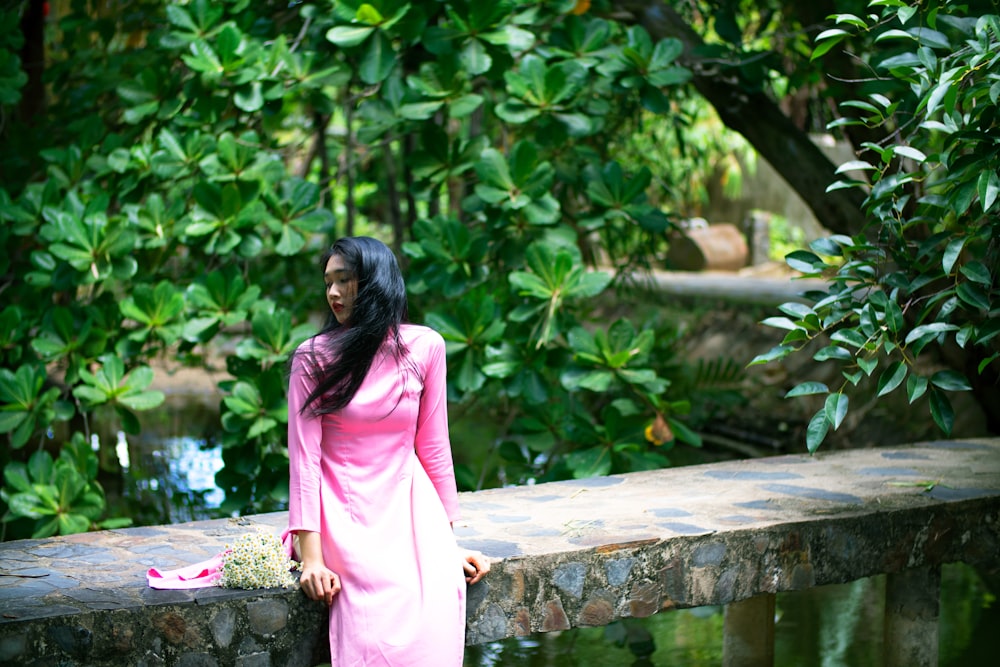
[688, 637]
[827, 626]
[168, 477]
[168, 470]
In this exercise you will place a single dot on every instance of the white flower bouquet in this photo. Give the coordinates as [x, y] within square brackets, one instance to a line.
[257, 560]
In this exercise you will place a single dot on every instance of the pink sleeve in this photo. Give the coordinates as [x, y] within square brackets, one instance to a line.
[305, 434]
[432, 442]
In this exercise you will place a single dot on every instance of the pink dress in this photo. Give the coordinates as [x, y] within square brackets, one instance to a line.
[376, 479]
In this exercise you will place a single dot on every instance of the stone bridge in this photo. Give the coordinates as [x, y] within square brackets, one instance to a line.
[566, 554]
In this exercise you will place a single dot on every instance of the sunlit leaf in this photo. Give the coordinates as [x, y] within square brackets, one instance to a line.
[807, 388]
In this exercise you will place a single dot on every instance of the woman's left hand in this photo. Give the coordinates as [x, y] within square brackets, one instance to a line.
[475, 565]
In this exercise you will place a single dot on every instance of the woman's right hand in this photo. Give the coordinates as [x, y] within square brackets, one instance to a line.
[319, 582]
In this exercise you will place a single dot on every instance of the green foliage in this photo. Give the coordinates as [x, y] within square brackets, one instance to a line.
[193, 160]
[27, 404]
[58, 496]
[12, 75]
[160, 180]
[926, 276]
[501, 274]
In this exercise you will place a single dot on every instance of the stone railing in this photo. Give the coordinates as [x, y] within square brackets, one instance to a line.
[566, 554]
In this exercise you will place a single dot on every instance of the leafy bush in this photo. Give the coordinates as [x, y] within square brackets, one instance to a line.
[196, 157]
[925, 275]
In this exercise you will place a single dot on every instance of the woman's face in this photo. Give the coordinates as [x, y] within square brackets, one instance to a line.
[341, 288]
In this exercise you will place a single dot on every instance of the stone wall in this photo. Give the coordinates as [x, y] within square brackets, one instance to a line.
[221, 628]
[566, 554]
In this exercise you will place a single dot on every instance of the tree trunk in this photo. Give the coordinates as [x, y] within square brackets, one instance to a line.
[759, 119]
[348, 160]
[394, 205]
[33, 61]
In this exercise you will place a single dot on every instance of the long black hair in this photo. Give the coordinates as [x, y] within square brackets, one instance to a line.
[350, 348]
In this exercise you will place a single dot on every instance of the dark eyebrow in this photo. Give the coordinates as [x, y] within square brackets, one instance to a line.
[347, 273]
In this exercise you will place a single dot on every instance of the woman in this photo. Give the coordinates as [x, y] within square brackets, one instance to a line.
[372, 488]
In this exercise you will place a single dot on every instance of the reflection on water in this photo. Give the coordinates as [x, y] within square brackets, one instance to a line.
[828, 626]
[181, 469]
[689, 637]
[168, 470]
[837, 625]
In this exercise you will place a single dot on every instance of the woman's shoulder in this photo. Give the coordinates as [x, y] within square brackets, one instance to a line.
[310, 345]
[311, 349]
[418, 335]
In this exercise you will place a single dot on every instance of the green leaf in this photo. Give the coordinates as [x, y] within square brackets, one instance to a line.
[346, 36]
[916, 385]
[583, 284]
[46, 528]
[780, 323]
[492, 169]
[40, 467]
[827, 40]
[203, 58]
[987, 361]
[144, 400]
[475, 58]
[261, 426]
[867, 364]
[816, 431]
[977, 272]
[249, 97]
[591, 462]
[23, 387]
[854, 378]
[804, 261]
[795, 336]
[378, 60]
[833, 352]
[28, 505]
[850, 19]
[989, 189]
[951, 254]
[894, 34]
[933, 329]
[894, 317]
[683, 432]
[68, 482]
[774, 354]
[950, 381]
[854, 165]
[10, 420]
[835, 408]
[245, 400]
[892, 377]
[528, 284]
[807, 388]
[70, 524]
[941, 411]
[909, 152]
[849, 336]
[931, 38]
[15, 474]
[178, 16]
[974, 296]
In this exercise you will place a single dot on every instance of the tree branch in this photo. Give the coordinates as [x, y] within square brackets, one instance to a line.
[754, 115]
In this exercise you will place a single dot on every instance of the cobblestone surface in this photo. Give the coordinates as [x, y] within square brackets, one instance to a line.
[566, 554]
